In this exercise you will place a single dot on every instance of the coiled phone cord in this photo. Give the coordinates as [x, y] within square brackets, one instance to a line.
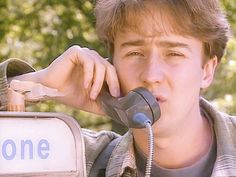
[150, 149]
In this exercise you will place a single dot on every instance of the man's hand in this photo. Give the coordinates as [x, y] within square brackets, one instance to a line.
[79, 74]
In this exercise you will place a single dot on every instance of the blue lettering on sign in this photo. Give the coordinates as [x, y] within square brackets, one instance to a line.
[23, 147]
[43, 146]
[11, 155]
[9, 149]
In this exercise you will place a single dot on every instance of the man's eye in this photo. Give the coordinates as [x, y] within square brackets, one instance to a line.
[175, 54]
[135, 54]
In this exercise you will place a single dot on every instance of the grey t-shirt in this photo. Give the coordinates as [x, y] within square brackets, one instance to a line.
[202, 168]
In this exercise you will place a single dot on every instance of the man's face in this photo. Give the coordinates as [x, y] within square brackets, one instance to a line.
[167, 64]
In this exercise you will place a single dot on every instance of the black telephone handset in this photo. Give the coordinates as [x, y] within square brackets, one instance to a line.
[134, 110]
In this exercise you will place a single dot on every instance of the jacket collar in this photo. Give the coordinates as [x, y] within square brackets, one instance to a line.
[122, 157]
[225, 131]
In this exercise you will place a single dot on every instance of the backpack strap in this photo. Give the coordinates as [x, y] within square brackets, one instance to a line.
[99, 167]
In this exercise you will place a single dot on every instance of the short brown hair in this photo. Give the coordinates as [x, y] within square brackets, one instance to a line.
[202, 19]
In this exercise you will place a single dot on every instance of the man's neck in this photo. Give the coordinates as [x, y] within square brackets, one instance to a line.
[183, 148]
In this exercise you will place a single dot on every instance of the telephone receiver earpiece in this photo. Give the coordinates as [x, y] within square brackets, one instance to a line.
[134, 110]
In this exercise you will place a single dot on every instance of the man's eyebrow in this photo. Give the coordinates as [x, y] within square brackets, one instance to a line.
[138, 42]
[166, 44]
[172, 44]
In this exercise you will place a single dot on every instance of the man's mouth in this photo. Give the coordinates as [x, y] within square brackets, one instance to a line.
[160, 99]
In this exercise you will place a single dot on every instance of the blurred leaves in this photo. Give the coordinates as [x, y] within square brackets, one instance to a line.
[222, 93]
[230, 8]
[39, 31]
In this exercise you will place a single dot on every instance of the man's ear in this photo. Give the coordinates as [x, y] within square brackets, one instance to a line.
[208, 72]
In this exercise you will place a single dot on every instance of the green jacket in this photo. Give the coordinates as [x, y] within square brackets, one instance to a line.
[122, 160]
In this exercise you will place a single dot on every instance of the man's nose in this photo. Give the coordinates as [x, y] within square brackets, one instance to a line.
[153, 71]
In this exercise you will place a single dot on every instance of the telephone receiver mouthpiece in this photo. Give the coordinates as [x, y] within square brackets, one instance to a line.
[134, 110]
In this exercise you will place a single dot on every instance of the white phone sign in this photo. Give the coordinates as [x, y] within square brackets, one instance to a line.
[40, 143]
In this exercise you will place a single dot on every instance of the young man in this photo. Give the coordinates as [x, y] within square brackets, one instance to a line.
[170, 47]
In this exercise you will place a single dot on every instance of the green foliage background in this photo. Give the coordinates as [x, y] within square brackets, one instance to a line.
[39, 31]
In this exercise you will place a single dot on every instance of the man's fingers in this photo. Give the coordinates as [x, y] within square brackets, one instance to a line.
[112, 81]
[95, 71]
[88, 67]
[99, 75]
